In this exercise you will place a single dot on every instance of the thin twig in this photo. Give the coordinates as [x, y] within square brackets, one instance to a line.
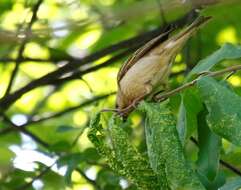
[80, 73]
[73, 65]
[48, 169]
[193, 82]
[39, 60]
[68, 110]
[93, 182]
[162, 15]
[22, 47]
[42, 102]
[36, 119]
[41, 174]
[24, 131]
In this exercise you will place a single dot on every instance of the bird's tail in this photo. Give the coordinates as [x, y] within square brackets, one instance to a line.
[176, 42]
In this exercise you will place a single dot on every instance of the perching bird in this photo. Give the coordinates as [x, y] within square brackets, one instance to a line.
[147, 71]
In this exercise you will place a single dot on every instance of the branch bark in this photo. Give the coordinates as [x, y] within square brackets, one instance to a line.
[139, 40]
[166, 95]
[22, 47]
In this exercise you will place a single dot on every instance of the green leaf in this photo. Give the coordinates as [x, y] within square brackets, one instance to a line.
[215, 184]
[122, 157]
[209, 149]
[190, 103]
[234, 184]
[224, 109]
[91, 155]
[72, 161]
[166, 151]
[137, 168]
[107, 179]
[6, 156]
[154, 145]
[61, 146]
[187, 117]
[228, 51]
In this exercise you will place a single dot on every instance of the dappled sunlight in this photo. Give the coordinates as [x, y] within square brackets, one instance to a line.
[178, 67]
[36, 70]
[81, 13]
[76, 91]
[89, 38]
[84, 142]
[107, 2]
[34, 50]
[49, 10]
[28, 101]
[60, 29]
[26, 159]
[38, 184]
[226, 35]
[235, 80]
[4, 78]
[102, 60]
[12, 18]
[103, 80]
[136, 119]
[67, 55]
[57, 101]
[19, 119]
[92, 172]
[81, 187]
[80, 118]
[178, 58]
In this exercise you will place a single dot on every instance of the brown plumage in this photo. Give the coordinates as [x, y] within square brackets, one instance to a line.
[148, 69]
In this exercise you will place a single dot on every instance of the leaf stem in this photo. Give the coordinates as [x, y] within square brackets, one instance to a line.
[166, 95]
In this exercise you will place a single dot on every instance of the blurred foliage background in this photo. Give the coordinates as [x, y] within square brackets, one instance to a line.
[43, 142]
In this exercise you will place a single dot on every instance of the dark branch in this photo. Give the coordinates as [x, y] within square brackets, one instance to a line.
[73, 65]
[22, 47]
[93, 182]
[41, 174]
[26, 59]
[52, 116]
[24, 131]
[79, 74]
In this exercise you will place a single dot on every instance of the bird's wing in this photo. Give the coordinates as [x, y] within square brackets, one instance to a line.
[140, 53]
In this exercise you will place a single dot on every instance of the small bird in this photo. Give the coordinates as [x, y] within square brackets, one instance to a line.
[146, 72]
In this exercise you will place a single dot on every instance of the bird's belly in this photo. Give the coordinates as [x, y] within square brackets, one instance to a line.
[135, 82]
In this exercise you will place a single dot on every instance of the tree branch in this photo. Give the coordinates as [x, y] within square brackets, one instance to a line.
[166, 95]
[22, 47]
[41, 174]
[24, 131]
[36, 119]
[93, 182]
[139, 40]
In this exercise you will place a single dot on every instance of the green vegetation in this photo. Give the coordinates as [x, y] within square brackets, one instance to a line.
[58, 66]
